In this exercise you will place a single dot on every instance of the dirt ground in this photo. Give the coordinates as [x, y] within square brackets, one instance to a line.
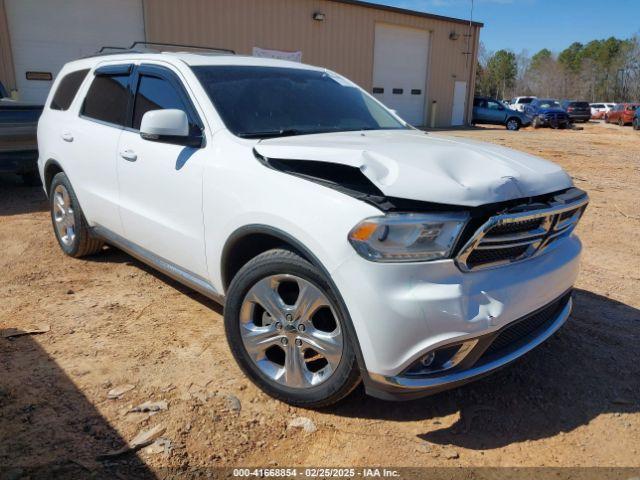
[575, 401]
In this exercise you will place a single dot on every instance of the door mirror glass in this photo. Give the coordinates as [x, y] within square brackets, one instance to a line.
[168, 126]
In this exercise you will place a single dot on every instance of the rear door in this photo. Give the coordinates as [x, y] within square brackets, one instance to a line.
[479, 107]
[92, 140]
[161, 183]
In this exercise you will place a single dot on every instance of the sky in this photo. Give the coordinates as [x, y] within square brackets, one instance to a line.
[535, 24]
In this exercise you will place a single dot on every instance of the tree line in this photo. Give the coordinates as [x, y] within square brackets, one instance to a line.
[599, 71]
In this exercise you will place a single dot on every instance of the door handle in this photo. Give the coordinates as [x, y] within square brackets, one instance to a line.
[129, 155]
[67, 137]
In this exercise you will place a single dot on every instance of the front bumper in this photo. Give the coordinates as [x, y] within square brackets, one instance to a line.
[581, 117]
[401, 312]
[554, 120]
[477, 363]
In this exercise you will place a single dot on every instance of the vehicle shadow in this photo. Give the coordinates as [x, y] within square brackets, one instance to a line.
[17, 198]
[114, 255]
[590, 367]
[49, 429]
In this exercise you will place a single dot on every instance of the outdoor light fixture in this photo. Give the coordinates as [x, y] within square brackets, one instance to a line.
[454, 36]
[318, 16]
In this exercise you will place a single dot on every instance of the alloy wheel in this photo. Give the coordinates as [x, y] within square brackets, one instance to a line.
[63, 215]
[290, 331]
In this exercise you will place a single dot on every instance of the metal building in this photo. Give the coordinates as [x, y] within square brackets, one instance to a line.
[419, 64]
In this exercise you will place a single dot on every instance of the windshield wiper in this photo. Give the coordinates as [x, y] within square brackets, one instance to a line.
[288, 132]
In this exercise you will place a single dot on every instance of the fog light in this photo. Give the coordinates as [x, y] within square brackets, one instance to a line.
[428, 359]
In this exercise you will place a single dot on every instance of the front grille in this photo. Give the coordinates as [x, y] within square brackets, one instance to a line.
[480, 257]
[521, 331]
[522, 234]
[516, 227]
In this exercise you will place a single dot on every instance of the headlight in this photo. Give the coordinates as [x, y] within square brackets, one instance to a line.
[407, 237]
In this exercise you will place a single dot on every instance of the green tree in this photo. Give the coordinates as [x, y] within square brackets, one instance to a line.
[502, 69]
[540, 59]
[571, 57]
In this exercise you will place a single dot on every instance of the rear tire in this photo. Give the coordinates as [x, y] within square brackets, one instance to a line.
[277, 306]
[69, 224]
[536, 123]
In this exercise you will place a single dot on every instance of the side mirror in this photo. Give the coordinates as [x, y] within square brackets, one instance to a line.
[168, 126]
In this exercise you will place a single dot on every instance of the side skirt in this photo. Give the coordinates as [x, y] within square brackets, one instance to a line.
[189, 279]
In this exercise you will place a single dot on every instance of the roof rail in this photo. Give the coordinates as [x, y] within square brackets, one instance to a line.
[158, 47]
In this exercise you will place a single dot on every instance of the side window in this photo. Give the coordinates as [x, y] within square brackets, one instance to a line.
[491, 105]
[67, 89]
[156, 93]
[107, 99]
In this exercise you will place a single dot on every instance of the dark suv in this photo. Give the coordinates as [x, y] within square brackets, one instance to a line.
[578, 111]
[493, 112]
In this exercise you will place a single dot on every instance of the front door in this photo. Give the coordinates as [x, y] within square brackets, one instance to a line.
[495, 112]
[161, 183]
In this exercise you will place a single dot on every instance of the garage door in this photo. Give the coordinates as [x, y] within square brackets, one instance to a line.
[400, 70]
[45, 34]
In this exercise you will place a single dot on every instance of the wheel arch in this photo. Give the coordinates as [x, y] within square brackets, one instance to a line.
[267, 237]
[250, 241]
[51, 168]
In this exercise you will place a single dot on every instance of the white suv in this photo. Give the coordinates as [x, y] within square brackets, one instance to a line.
[345, 245]
[520, 103]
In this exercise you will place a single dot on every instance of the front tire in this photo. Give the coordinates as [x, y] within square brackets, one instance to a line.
[287, 331]
[620, 122]
[636, 124]
[513, 124]
[70, 226]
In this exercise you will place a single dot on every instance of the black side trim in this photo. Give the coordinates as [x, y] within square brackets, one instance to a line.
[124, 69]
[344, 178]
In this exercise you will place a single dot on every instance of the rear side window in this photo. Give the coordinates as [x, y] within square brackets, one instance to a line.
[107, 99]
[525, 100]
[67, 89]
[155, 94]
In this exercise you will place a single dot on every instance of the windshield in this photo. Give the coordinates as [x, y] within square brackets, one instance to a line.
[548, 104]
[262, 102]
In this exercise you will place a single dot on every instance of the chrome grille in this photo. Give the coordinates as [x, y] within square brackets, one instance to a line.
[516, 236]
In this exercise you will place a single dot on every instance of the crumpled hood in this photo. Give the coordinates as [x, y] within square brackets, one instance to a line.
[427, 167]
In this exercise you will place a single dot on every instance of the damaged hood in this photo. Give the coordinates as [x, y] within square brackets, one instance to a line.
[427, 167]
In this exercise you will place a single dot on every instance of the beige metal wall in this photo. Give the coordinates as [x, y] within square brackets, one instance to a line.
[7, 76]
[343, 42]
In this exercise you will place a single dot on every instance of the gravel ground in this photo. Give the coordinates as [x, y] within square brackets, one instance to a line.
[113, 322]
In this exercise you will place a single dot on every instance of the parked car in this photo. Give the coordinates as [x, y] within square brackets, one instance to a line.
[3, 92]
[18, 145]
[345, 245]
[599, 110]
[622, 114]
[494, 112]
[547, 112]
[578, 111]
[636, 120]
[520, 103]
